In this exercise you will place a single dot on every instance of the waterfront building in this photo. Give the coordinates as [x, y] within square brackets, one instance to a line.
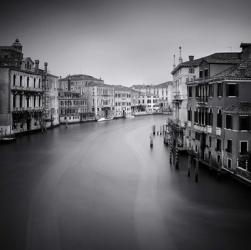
[101, 100]
[51, 99]
[149, 102]
[122, 101]
[135, 106]
[73, 102]
[161, 91]
[21, 95]
[219, 111]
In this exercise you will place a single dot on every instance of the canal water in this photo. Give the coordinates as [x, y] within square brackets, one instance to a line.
[100, 186]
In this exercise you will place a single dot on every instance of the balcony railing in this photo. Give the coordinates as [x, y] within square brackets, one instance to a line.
[200, 128]
[24, 88]
[202, 99]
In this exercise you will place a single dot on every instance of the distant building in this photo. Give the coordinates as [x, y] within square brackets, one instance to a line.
[219, 111]
[122, 101]
[73, 101]
[161, 92]
[101, 100]
[149, 102]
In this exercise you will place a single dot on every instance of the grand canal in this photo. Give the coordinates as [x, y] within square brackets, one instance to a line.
[100, 186]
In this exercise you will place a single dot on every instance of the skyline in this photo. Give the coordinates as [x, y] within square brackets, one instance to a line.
[127, 43]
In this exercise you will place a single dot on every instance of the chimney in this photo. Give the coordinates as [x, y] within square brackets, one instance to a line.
[45, 67]
[36, 65]
[191, 58]
[246, 51]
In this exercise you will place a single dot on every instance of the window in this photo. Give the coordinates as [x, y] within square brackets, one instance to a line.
[209, 118]
[219, 89]
[27, 102]
[229, 146]
[191, 70]
[211, 90]
[232, 90]
[14, 80]
[190, 93]
[189, 115]
[20, 81]
[196, 91]
[21, 101]
[229, 122]
[197, 136]
[195, 116]
[219, 119]
[244, 123]
[28, 82]
[218, 159]
[34, 101]
[206, 73]
[229, 163]
[210, 141]
[34, 82]
[14, 101]
[218, 145]
[201, 73]
[243, 147]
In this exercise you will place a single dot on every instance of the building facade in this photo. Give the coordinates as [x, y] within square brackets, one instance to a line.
[122, 101]
[219, 112]
[21, 100]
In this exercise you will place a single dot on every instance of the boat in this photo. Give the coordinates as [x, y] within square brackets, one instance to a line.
[105, 119]
[130, 116]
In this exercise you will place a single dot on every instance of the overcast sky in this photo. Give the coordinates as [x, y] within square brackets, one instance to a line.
[124, 42]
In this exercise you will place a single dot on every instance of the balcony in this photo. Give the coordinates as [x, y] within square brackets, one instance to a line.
[218, 131]
[202, 100]
[209, 129]
[25, 109]
[27, 89]
[200, 128]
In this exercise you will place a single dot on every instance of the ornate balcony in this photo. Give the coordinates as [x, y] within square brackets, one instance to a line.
[218, 131]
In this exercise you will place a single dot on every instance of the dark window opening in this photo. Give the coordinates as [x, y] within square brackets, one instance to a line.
[206, 73]
[229, 122]
[232, 89]
[229, 163]
[201, 73]
[211, 90]
[219, 119]
[244, 147]
[14, 80]
[190, 91]
[229, 146]
[218, 145]
[244, 122]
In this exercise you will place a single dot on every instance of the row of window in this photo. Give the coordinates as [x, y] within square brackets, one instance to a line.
[122, 95]
[122, 104]
[26, 101]
[36, 83]
[207, 90]
[205, 117]
[71, 103]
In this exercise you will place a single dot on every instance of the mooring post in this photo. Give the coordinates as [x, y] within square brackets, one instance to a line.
[189, 166]
[196, 173]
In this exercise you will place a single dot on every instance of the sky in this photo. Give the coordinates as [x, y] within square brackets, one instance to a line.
[123, 42]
